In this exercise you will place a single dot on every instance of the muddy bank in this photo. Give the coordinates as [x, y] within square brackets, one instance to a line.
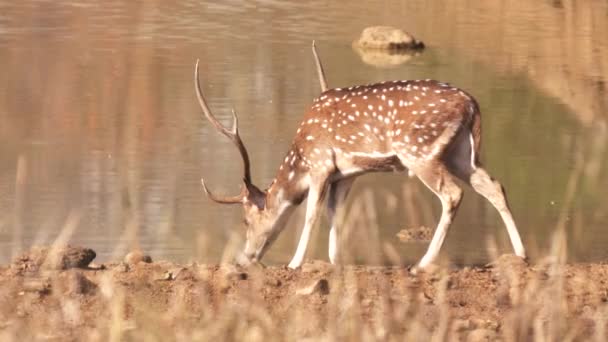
[506, 300]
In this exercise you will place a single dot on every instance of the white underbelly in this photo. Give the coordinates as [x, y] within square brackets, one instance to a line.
[358, 163]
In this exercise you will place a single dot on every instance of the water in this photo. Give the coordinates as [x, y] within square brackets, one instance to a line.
[98, 109]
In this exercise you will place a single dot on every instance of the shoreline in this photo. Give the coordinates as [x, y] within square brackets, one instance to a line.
[138, 299]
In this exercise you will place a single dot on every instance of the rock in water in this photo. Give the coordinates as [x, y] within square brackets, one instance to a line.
[387, 38]
[385, 58]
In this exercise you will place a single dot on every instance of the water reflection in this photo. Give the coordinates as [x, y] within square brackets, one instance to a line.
[97, 99]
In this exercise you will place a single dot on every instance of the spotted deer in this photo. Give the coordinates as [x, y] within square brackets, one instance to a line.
[429, 128]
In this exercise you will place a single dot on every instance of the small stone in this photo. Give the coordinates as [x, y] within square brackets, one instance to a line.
[275, 282]
[122, 267]
[167, 276]
[175, 273]
[55, 258]
[320, 286]
[232, 273]
[75, 257]
[137, 256]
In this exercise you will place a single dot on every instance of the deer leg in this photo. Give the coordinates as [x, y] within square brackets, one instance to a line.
[493, 191]
[335, 201]
[314, 201]
[437, 178]
[463, 163]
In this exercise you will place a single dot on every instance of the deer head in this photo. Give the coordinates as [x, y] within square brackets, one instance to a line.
[264, 215]
[251, 197]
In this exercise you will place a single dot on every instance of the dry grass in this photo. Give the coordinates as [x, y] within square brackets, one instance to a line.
[507, 300]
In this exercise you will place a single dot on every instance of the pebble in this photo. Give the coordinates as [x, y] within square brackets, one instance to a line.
[137, 256]
[320, 286]
[55, 258]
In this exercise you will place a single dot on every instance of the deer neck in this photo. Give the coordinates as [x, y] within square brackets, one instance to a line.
[282, 197]
[290, 186]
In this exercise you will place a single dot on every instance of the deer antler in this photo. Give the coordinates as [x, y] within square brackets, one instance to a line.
[227, 199]
[320, 71]
[233, 135]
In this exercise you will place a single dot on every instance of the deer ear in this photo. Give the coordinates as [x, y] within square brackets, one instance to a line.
[256, 196]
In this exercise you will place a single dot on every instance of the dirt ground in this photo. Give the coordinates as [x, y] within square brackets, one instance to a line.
[59, 294]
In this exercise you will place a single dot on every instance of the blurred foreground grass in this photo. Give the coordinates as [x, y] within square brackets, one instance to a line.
[161, 301]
